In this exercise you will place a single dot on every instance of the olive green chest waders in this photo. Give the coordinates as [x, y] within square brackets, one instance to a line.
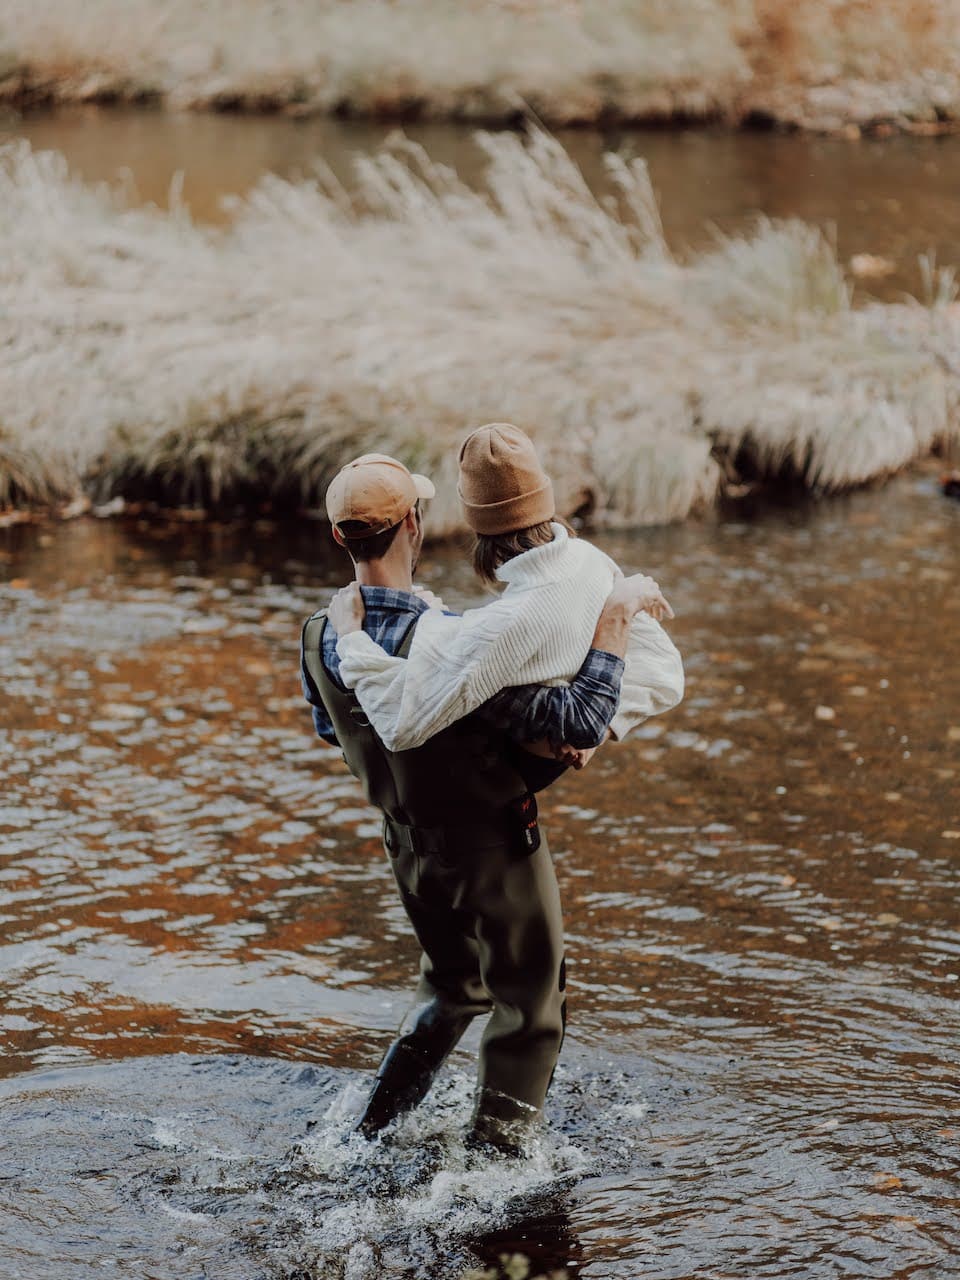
[477, 882]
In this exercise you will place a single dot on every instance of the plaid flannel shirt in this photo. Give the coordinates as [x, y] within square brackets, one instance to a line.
[577, 714]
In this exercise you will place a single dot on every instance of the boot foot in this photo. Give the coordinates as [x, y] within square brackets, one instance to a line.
[502, 1126]
[402, 1082]
[410, 1065]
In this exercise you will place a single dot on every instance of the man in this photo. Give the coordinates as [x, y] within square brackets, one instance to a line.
[460, 827]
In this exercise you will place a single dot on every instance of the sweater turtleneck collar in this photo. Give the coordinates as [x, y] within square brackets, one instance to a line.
[539, 564]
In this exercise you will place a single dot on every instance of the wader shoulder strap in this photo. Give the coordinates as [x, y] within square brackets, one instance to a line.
[311, 650]
[403, 648]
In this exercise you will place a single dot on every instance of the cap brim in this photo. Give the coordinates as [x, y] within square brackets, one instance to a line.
[424, 487]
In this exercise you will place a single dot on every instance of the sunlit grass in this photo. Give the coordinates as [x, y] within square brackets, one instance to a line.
[142, 352]
[814, 62]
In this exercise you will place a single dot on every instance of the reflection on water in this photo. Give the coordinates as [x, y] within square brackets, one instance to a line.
[760, 893]
[895, 198]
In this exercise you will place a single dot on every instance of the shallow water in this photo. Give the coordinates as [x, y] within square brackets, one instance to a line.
[895, 198]
[202, 951]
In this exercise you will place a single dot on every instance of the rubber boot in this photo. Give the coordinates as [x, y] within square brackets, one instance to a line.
[501, 1126]
[410, 1066]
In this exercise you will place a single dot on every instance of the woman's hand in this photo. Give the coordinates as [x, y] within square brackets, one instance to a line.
[345, 612]
[430, 599]
[640, 594]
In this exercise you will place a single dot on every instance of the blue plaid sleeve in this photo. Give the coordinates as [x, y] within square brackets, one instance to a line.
[577, 714]
[321, 720]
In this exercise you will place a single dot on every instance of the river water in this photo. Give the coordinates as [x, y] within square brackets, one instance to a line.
[203, 956]
[892, 198]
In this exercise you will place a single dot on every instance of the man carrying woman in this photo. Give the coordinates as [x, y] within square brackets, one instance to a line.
[453, 724]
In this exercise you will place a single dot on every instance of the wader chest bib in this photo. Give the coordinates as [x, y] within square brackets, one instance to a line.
[465, 774]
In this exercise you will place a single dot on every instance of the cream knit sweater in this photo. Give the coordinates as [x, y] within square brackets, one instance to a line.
[538, 631]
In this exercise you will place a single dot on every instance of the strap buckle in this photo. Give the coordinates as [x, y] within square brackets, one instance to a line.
[423, 841]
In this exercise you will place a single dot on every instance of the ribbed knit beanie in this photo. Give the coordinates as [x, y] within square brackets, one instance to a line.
[502, 485]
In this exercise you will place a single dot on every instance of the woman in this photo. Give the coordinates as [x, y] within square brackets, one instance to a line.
[539, 629]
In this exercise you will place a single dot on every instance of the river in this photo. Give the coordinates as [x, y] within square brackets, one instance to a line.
[203, 955]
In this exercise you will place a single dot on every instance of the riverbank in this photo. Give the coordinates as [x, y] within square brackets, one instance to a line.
[148, 356]
[839, 66]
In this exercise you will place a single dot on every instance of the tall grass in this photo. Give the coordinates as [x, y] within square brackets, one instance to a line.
[812, 62]
[143, 351]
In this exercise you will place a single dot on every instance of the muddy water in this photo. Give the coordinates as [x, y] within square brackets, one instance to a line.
[202, 952]
[895, 198]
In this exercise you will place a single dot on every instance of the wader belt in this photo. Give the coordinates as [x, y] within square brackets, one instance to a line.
[459, 782]
[437, 841]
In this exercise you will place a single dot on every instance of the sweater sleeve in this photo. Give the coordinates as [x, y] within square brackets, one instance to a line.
[454, 665]
[652, 678]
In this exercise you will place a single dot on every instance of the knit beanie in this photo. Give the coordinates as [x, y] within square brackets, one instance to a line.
[502, 485]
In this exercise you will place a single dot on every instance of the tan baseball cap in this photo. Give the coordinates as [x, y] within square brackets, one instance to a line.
[375, 491]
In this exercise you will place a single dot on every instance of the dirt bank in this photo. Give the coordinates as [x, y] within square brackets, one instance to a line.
[813, 64]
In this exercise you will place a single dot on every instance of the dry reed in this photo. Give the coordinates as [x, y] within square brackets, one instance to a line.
[816, 63]
[141, 350]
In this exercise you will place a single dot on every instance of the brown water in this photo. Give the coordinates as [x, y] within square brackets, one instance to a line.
[202, 949]
[895, 198]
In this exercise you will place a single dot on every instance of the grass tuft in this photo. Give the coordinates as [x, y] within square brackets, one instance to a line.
[145, 354]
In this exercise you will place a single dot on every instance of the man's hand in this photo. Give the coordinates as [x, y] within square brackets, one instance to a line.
[573, 758]
[345, 611]
[578, 759]
[570, 756]
[641, 595]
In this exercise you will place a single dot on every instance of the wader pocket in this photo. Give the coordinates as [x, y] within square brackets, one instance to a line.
[524, 811]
